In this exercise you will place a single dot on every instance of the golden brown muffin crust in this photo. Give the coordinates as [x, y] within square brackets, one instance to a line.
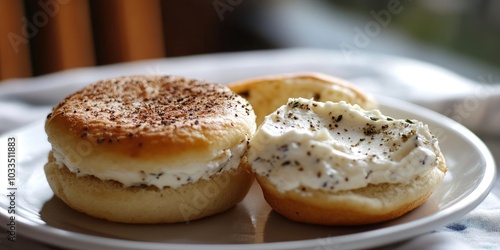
[150, 117]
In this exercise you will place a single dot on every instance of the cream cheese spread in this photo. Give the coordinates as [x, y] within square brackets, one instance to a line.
[173, 176]
[339, 146]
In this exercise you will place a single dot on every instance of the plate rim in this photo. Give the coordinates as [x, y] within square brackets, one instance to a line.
[467, 203]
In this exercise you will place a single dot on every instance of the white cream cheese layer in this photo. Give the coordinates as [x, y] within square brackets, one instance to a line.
[339, 146]
[173, 176]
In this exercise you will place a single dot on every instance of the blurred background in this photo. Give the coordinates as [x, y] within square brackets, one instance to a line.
[45, 36]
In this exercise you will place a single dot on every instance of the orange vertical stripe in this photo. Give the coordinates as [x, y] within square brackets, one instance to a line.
[14, 46]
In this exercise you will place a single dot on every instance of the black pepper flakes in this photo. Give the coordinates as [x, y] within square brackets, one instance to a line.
[370, 129]
[285, 163]
[84, 134]
[368, 174]
[339, 118]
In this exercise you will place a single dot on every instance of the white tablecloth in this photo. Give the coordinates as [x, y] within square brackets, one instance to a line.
[474, 103]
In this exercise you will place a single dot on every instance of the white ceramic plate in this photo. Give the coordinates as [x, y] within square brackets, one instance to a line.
[251, 224]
